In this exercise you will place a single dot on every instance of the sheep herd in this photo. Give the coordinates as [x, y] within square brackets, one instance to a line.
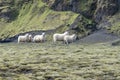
[65, 37]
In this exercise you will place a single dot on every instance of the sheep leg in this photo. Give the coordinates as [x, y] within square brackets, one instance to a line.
[67, 42]
[43, 40]
[54, 41]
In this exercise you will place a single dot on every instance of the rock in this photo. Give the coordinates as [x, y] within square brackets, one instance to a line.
[9, 10]
[98, 9]
[105, 8]
[81, 25]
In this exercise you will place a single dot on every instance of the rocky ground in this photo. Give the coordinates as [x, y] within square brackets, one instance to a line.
[100, 36]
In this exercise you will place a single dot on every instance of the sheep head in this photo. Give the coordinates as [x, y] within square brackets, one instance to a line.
[66, 33]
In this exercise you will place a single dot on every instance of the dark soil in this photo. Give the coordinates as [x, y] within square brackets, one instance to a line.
[99, 36]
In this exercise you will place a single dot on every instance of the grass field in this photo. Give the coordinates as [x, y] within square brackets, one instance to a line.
[48, 61]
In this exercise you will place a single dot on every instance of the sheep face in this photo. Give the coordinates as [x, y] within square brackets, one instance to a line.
[66, 33]
[29, 38]
[43, 33]
[39, 38]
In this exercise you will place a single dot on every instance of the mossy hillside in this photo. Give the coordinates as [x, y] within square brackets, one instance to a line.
[83, 26]
[37, 16]
[9, 9]
[115, 23]
[85, 5]
[115, 28]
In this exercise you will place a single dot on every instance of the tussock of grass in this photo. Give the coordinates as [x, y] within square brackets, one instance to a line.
[58, 61]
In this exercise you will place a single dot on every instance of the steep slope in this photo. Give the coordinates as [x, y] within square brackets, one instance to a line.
[36, 15]
[105, 13]
[96, 9]
[105, 8]
[80, 16]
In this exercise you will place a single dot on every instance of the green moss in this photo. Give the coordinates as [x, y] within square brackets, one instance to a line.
[82, 26]
[37, 16]
[115, 25]
[85, 5]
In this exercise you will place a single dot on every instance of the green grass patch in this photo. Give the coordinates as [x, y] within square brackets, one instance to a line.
[45, 61]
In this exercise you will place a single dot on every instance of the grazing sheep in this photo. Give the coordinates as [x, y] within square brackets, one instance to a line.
[23, 38]
[39, 38]
[70, 38]
[29, 38]
[59, 37]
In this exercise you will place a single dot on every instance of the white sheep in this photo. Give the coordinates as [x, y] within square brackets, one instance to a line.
[39, 38]
[23, 38]
[29, 38]
[70, 38]
[59, 37]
